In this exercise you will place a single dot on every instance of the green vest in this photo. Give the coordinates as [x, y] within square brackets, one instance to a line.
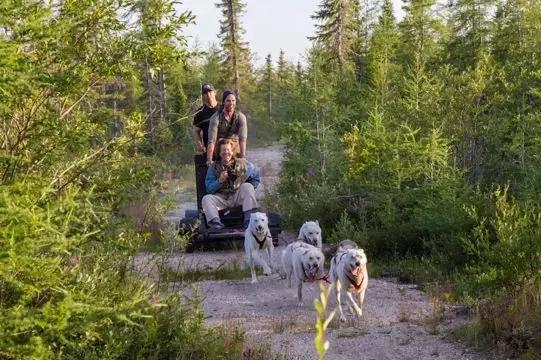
[227, 129]
[237, 175]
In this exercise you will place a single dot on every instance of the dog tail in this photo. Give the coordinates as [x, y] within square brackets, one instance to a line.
[347, 244]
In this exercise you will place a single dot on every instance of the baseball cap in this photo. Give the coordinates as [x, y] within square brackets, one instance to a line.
[206, 88]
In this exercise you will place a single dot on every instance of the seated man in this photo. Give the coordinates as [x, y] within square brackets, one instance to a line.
[229, 182]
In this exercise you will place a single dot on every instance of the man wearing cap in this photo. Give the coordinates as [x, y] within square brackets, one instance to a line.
[227, 123]
[201, 120]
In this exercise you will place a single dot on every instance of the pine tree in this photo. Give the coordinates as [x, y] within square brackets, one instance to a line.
[366, 17]
[160, 32]
[471, 28]
[236, 54]
[419, 31]
[284, 82]
[268, 82]
[336, 28]
[382, 57]
[211, 67]
[298, 74]
[283, 71]
[419, 103]
[517, 52]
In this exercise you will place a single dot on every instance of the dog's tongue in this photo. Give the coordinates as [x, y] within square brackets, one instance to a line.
[355, 271]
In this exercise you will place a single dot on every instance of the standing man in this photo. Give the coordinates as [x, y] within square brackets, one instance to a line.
[228, 123]
[201, 120]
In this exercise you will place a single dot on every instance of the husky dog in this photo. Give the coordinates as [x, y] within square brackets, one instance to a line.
[310, 233]
[258, 237]
[348, 272]
[304, 262]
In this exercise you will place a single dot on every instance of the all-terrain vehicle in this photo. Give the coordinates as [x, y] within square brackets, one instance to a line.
[194, 222]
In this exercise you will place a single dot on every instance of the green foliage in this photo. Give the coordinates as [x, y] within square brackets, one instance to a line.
[505, 248]
[403, 156]
[508, 321]
[72, 162]
[336, 27]
[236, 68]
[471, 28]
[322, 321]
[382, 66]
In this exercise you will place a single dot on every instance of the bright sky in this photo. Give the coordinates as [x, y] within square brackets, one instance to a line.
[270, 25]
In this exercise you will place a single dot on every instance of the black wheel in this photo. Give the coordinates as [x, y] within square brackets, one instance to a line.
[190, 247]
[186, 226]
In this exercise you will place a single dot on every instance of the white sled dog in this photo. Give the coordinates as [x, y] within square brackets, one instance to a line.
[258, 237]
[304, 262]
[310, 233]
[348, 272]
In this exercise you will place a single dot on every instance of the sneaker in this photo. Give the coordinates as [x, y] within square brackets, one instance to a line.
[216, 225]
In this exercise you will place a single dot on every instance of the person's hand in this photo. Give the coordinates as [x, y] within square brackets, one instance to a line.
[223, 176]
[200, 147]
[209, 162]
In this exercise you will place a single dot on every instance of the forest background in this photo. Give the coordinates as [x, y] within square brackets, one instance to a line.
[419, 139]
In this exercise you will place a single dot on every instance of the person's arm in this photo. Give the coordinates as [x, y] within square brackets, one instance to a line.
[253, 174]
[197, 134]
[243, 134]
[213, 134]
[212, 184]
[242, 149]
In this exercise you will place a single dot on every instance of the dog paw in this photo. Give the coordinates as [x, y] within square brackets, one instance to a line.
[254, 281]
[300, 304]
[267, 272]
[342, 319]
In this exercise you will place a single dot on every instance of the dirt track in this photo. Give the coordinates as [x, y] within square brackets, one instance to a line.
[399, 321]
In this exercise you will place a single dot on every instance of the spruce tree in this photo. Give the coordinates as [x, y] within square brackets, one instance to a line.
[157, 51]
[382, 57]
[419, 103]
[211, 67]
[336, 28]
[419, 32]
[268, 83]
[284, 77]
[517, 52]
[236, 54]
[471, 26]
[366, 17]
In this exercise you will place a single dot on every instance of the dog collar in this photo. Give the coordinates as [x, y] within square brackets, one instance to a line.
[261, 242]
[357, 287]
[325, 277]
[304, 273]
[307, 240]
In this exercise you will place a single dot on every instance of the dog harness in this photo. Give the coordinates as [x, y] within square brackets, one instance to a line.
[261, 242]
[308, 241]
[352, 282]
[324, 278]
[357, 287]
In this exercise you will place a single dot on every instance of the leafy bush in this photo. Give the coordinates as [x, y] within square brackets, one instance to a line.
[68, 290]
[505, 247]
[509, 320]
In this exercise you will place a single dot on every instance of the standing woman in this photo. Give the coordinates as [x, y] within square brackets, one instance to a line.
[228, 123]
